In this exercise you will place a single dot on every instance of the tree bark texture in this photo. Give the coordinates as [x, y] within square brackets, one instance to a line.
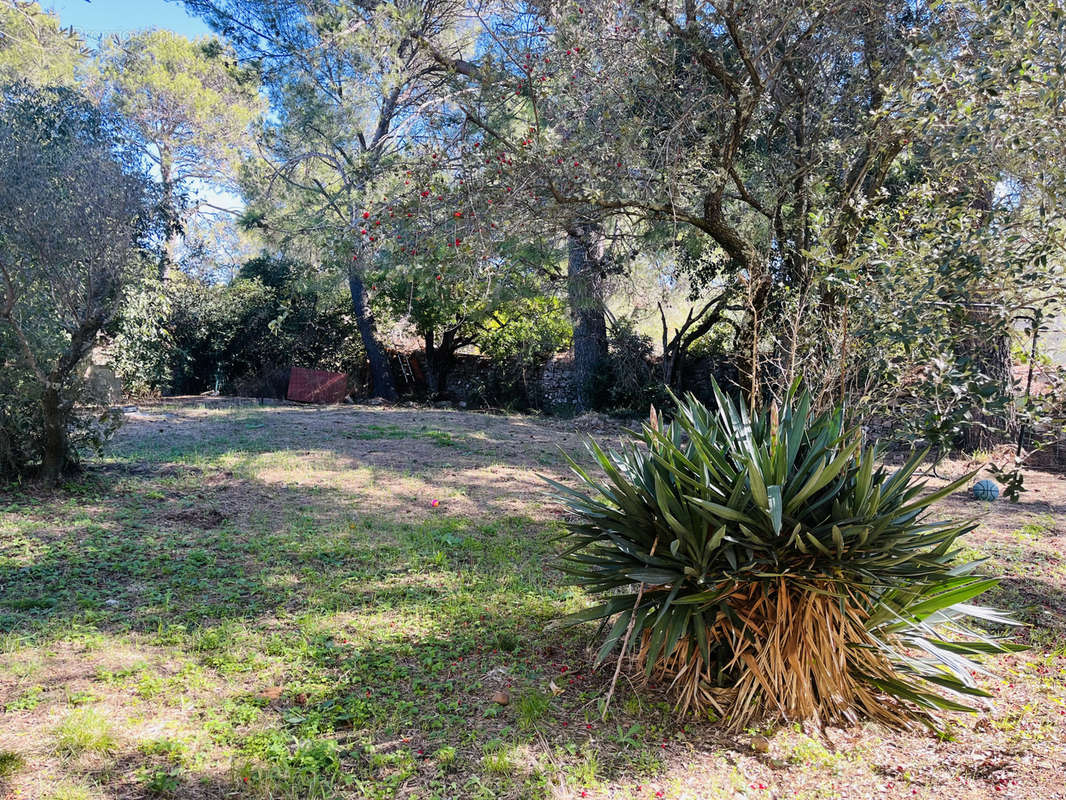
[381, 381]
[585, 283]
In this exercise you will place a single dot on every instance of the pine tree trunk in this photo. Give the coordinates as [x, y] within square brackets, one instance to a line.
[171, 225]
[381, 381]
[585, 283]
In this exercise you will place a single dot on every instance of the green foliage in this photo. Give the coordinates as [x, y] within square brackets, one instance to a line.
[519, 339]
[185, 336]
[84, 731]
[629, 383]
[35, 48]
[142, 347]
[186, 101]
[527, 332]
[10, 763]
[744, 549]
[75, 220]
[246, 334]
[1011, 478]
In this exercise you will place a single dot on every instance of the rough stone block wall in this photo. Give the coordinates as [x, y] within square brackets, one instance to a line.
[557, 382]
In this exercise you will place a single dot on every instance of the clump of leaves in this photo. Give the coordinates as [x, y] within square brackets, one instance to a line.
[767, 565]
[1012, 480]
[10, 763]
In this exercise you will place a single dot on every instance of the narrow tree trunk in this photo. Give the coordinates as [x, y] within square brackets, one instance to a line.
[669, 363]
[988, 350]
[432, 375]
[445, 358]
[380, 375]
[439, 360]
[585, 284]
[760, 294]
[54, 431]
[171, 226]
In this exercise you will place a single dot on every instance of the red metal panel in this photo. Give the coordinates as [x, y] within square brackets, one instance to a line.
[316, 386]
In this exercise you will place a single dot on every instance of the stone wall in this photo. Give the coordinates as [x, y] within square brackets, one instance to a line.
[476, 380]
[557, 390]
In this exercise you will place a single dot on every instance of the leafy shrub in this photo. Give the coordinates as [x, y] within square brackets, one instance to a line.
[76, 217]
[629, 383]
[769, 566]
[242, 337]
[89, 424]
[142, 348]
[519, 340]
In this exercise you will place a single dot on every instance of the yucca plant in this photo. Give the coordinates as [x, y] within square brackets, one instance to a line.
[770, 566]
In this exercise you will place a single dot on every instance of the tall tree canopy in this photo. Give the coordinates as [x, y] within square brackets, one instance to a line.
[192, 109]
[35, 48]
[350, 87]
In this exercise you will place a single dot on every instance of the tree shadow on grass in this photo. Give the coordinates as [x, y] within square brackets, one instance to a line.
[388, 636]
[352, 636]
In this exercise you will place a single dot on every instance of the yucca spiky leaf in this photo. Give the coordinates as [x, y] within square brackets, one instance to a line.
[784, 569]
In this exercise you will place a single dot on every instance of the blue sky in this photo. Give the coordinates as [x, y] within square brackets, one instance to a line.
[118, 16]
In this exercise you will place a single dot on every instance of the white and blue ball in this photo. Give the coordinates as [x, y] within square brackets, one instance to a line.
[985, 490]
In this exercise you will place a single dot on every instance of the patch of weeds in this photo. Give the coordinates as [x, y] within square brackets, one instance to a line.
[629, 738]
[81, 698]
[506, 642]
[84, 731]
[27, 701]
[119, 676]
[499, 762]
[69, 791]
[949, 731]
[306, 767]
[29, 603]
[447, 757]
[438, 437]
[161, 782]
[812, 754]
[149, 686]
[585, 771]
[531, 708]
[10, 763]
[173, 750]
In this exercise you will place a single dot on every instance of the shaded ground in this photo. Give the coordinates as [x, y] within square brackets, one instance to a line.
[263, 602]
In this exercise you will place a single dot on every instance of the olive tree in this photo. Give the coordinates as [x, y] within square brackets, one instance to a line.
[75, 213]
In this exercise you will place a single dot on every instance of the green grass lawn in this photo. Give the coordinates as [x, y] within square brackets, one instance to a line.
[263, 602]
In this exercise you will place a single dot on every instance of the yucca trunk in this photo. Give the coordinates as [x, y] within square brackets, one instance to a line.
[797, 651]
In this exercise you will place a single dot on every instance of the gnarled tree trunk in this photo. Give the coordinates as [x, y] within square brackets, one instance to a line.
[54, 437]
[439, 360]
